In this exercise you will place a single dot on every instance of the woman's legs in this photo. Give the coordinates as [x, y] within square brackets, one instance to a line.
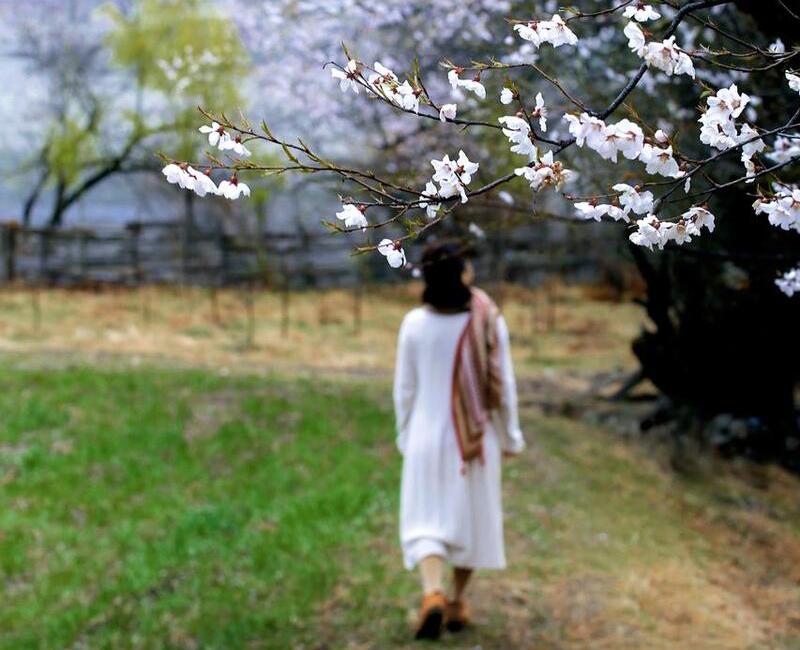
[461, 577]
[434, 604]
[431, 570]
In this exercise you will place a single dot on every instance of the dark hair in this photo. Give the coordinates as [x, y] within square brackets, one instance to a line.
[442, 268]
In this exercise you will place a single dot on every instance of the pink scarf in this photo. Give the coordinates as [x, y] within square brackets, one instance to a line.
[477, 381]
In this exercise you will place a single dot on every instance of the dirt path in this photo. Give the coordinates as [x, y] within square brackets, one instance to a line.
[609, 549]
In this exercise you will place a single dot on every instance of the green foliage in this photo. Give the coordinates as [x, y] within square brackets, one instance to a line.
[187, 52]
[70, 144]
[176, 55]
[172, 505]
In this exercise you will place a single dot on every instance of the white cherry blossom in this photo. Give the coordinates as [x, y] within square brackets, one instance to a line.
[443, 170]
[453, 78]
[752, 146]
[431, 208]
[506, 96]
[174, 174]
[188, 178]
[624, 136]
[608, 144]
[453, 175]
[203, 184]
[408, 96]
[648, 233]
[749, 169]
[717, 131]
[669, 58]
[663, 55]
[718, 122]
[233, 189]
[728, 102]
[591, 210]
[660, 161]
[777, 47]
[529, 32]
[518, 131]
[505, 197]
[632, 200]
[382, 79]
[782, 209]
[540, 112]
[353, 216]
[789, 282]
[347, 77]
[641, 12]
[465, 168]
[447, 112]
[794, 81]
[215, 133]
[545, 173]
[697, 218]
[586, 129]
[630, 138]
[235, 145]
[554, 31]
[636, 40]
[472, 85]
[393, 252]
[784, 149]
[476, 231]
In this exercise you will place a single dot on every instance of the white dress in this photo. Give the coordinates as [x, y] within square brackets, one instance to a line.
[444, 511]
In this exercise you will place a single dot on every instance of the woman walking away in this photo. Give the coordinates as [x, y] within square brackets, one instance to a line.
[456, 407]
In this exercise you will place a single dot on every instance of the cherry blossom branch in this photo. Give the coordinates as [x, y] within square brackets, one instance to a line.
[449, 186]
[578, 15]
[742, 179]
[791, 124]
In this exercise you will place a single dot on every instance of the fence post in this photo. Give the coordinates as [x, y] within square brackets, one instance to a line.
[224, 257]
[284, 296]
[186, 236]
[44, 252]
[358, 303]
[83, 264]
[214, 300]
[251, 314]
[36, 307]
[134, 230]
[552, 298]
[10, 232]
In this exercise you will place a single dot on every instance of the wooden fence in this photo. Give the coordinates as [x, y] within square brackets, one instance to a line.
[159, 252]
[169, 252]
[149, 253]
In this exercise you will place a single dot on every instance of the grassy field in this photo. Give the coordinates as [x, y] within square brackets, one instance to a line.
[163, 508]
[177, 475]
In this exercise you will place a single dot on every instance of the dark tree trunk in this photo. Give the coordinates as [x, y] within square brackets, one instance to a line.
[725, 338]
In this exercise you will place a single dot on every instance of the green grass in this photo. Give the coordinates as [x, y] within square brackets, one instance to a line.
[154, 508]
[119, 528]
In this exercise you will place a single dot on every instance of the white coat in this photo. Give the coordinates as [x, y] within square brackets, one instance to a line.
[444, 510]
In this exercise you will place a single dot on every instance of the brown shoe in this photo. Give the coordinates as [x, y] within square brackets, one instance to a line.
[431, 615]
[456, 615]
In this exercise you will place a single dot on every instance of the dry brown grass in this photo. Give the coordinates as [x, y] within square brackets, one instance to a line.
[559, 329]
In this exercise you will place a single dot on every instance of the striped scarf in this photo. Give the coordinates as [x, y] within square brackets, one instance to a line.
[477, 382]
